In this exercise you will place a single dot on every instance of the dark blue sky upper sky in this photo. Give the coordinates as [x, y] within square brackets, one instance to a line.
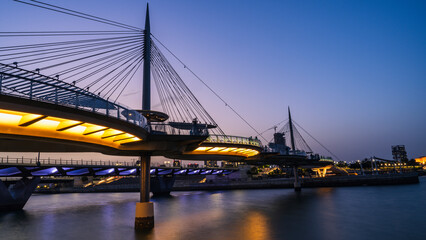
[353, 72]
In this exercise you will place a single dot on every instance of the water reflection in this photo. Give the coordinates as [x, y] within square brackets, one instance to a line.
[394, 212]
[255, 226]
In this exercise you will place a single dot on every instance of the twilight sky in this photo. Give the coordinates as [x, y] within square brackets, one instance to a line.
[353, 72]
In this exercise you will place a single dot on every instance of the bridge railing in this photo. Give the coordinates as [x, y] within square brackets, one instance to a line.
[65, 162]
[166, 129]
[21, 83]
[69, 162]
[233, 140]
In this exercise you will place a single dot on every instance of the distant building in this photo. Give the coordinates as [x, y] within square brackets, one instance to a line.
[210, 163]
[399, 153]
[193, 165]
[421, 160]
[176, 163]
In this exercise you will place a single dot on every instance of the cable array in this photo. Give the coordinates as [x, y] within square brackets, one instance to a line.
[70, 12]
[105, 62]
[300, 143]
[102, 61]
[208, 87]
[176, 98]
[334, 155]
[108, 64]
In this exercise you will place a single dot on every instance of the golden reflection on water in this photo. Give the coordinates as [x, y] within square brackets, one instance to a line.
[255, 227]
[252, 226]
[171, 229]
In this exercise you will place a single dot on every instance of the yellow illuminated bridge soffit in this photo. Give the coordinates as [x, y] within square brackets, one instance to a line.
[28, 124]
[223, 150]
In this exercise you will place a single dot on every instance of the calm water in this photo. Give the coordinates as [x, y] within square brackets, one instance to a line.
[384, 212]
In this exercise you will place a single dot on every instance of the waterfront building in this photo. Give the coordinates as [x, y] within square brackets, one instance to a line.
[399, 154]
[210, 163]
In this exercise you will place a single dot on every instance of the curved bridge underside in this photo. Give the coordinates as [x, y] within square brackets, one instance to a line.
[219, 151]
[32, 126]
[28, 126]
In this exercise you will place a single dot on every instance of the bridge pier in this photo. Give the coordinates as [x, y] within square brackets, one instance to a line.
[144, 217]
[297, 184]
[14, 196]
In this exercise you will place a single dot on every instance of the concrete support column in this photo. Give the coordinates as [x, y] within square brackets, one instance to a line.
[144, 218]
[297, 185]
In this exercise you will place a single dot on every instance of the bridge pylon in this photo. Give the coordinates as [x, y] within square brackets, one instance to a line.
[144, 215]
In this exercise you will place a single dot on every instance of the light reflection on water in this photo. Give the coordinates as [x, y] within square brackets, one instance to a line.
[381, 212]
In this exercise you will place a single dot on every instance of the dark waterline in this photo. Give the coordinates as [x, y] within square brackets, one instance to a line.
[378, 212]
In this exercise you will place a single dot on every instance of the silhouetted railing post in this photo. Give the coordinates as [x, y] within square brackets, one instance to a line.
[31, 90]
[56, 95]
[1, 80]
[76, 100]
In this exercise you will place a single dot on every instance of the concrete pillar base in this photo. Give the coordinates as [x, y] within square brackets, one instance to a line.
[144, 219]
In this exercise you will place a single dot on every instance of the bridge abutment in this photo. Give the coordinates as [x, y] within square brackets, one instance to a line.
[162, 185]
[15, 196]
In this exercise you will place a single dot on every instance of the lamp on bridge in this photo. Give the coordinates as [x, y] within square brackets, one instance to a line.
[154, 116]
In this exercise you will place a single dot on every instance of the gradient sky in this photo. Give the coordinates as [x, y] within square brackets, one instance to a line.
[353, 72]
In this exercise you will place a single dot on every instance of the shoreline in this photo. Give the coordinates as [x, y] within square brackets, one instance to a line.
[281, 183]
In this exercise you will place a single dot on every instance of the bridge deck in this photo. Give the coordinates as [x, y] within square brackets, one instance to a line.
[50, 167]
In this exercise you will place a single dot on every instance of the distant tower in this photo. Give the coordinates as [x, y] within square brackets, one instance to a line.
[279, 144]
[279, 138]
[291, 130]
[399, 154]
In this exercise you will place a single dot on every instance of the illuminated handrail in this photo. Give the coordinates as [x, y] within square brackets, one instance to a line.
[233, 140]
[21, 83]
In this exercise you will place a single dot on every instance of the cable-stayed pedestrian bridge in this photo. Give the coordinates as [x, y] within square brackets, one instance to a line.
[46, 105]
[42, 113]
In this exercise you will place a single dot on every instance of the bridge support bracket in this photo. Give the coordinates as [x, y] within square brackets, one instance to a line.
[15, 196]
[162, 185]
[144, 219]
